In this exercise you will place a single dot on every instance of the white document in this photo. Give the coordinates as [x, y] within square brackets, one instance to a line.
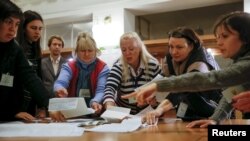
[40, 130]
[70, 106]
[231, 91]
[156, 78]
[127, 125]
[159, 95]
[79, 120]
[145, 110]
[119, 109]
[115, 113]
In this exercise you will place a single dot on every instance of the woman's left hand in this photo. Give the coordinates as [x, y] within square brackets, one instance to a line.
[25, 116]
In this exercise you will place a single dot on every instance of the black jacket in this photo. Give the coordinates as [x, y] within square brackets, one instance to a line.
[14, 63]
[199, 104]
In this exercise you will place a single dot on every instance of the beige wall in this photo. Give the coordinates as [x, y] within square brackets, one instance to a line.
[204, 17]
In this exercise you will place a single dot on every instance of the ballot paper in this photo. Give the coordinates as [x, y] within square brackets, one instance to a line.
[114, 113]
[159, 95]
[231, 91]
[145, 111]
[127, 125]
[40, 130]
[70, 107]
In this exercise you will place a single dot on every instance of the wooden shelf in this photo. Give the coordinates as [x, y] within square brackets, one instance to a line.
[66, 52]
[159, 47]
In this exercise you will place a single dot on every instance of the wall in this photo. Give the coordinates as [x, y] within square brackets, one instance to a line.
[107, 34]
[246, 5]
[69, 32]
[161, 23]
[129, 21]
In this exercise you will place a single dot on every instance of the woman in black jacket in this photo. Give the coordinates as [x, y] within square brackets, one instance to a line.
[15, 72]
[186, 55]
[28, 37]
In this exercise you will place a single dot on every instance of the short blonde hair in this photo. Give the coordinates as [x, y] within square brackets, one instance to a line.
[85, 41]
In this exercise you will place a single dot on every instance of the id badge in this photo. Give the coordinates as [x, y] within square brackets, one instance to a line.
[7, 80]
[182, 109]
[84, 93]
[131, 100]
[232, 91]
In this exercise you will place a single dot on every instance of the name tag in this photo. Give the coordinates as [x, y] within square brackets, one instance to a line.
[7, 80]
[84, 93]
[30, 63]
[231, 91]
[131, 100]
[182, 109]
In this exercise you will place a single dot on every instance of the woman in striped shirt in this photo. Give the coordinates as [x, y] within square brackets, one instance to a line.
[133, 69]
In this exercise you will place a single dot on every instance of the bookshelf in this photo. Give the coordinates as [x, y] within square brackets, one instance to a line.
[159, 47]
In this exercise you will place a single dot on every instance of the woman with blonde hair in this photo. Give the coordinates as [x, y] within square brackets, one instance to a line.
[133, 69]
[85, 76]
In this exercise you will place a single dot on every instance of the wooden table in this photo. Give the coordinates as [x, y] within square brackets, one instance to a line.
[166, 130]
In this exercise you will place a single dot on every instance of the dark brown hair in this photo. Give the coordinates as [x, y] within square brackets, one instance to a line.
[9, 9]
[238, 21]
[188, 34]
[29, 16]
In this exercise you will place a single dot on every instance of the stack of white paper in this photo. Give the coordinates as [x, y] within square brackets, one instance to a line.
[114, 113]
[70, 106]
[40, 130]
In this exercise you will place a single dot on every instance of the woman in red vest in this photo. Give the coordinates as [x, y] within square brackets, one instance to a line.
[85, 76]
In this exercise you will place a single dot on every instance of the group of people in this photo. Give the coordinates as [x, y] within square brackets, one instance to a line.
[191, 74]
[29, 81]
[186, 55]
[233, 40]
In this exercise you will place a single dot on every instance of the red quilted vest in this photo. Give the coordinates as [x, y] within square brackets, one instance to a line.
[75, 72]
